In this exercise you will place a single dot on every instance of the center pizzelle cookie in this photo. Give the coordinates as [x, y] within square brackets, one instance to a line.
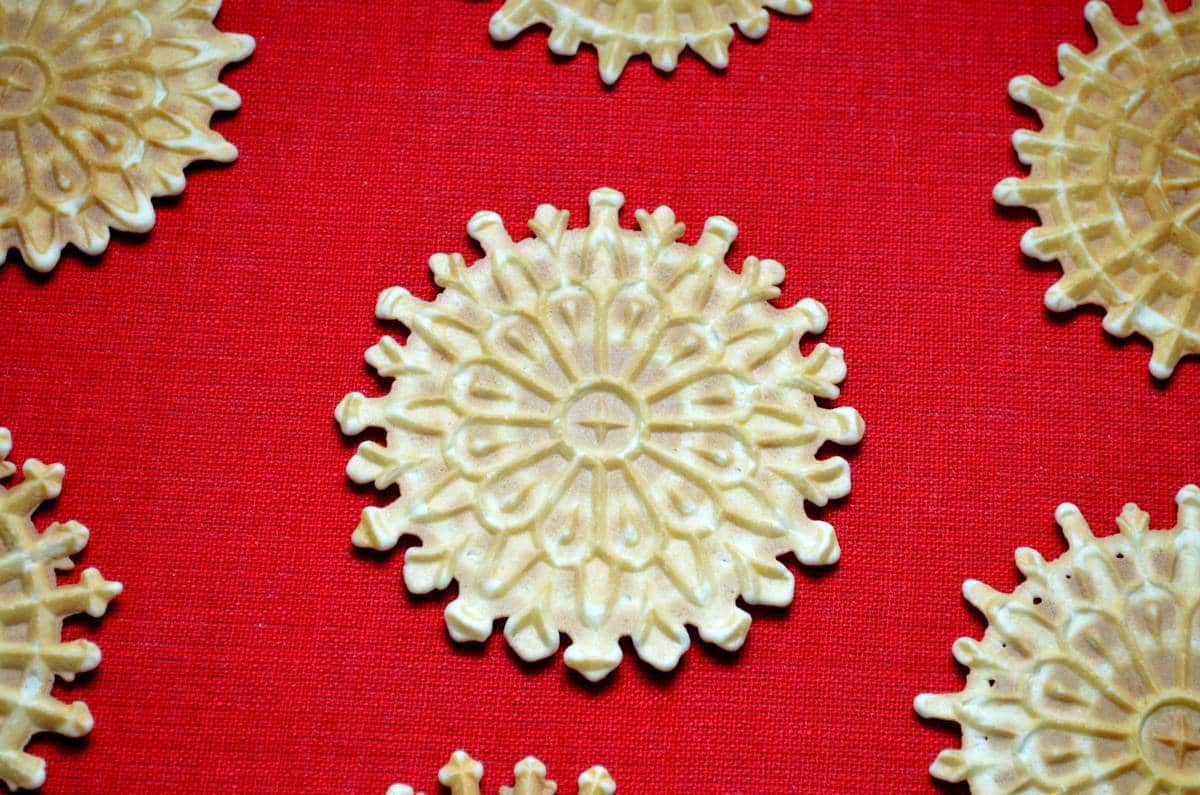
[605, 433]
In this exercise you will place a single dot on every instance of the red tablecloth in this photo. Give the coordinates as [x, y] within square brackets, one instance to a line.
[188, 378]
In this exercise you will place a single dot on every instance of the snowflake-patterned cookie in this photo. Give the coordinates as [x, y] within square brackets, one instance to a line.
[32, 609]
[1087, 679]
[462, 775]
[102, 105]
[1115, 177]
[620, 29]
[605, 433]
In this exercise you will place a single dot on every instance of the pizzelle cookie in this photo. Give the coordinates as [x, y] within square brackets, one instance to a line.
[602, 432]
[102, 105]
[32, 609]
[620, 29]
[1088, 677]
[462, 775]
[1115, 177]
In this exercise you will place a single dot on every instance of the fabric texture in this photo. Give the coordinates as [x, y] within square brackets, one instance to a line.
[188, 378]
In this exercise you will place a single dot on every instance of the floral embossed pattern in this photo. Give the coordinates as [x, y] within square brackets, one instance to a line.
[102, 105]
[621, 29]
[32, 609]
[1088, 677]
[1115, 177]
[605, 433]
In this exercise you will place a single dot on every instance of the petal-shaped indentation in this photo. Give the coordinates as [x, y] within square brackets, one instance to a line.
[683, 346]
[1098, 576]
[689, 569]
[1052, 756]
[773, 428]
[1101, 642]
[757, 510]
[55, 174]
[508, 558]
[568, 533]
[491, 389]
[108, 45]
[685, 505]
[751, 347]
[705, 395]
[718, 456]
[101, 141]
[118, 94]
[633, 536]
[571, 317]
[1155, 627]
[524, 343]
[515, 497]
[635, 317]
[481, 446]
[179, 135]
[1063, 689]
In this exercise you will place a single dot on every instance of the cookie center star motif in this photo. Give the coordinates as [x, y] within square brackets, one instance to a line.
[600, 422]
[1170, 740]
[24, 79]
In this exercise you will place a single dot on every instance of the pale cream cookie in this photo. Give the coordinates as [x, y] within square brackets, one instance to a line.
[603, 432]
[32, 608]
[462, 775]
[1115, 177]
[1087, 679]
[102, 105]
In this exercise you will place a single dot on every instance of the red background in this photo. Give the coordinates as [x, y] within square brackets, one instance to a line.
[188, 378]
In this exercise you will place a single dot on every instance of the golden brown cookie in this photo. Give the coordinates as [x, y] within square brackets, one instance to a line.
[102, 105]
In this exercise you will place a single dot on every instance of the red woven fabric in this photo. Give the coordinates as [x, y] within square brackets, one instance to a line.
[188, 378]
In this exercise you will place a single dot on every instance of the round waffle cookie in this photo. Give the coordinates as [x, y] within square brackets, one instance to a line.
[1088, 677]
[620, 29]
[605, 433]
[102, 105]
[1115, 177]
[32, 609]
[462, 774]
